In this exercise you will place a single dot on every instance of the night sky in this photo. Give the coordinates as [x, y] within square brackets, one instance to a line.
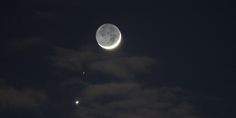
[176, 59]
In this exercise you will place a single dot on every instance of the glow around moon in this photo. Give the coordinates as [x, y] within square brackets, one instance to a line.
[108, 36]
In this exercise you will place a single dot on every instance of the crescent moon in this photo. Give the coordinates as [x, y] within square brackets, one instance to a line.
[112, 46]
[99, 39]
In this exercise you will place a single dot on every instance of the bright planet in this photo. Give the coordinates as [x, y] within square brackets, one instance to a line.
[108, 36]
[77, 102]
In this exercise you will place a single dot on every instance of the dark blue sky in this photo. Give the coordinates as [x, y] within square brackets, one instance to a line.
[176, 59]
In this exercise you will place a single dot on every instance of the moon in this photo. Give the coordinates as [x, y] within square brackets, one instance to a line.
[108, 36]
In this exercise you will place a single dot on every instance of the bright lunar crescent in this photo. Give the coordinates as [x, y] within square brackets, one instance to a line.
[108, 36]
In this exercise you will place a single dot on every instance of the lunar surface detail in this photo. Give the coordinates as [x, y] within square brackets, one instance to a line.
[108, 36]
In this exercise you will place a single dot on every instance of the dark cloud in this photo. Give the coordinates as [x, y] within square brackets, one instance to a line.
[72, 59]
[124, 67]
[112, 89]
[121, 66]
[23, 99]
[131, 100]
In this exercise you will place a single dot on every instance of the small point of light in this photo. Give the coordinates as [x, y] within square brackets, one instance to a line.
[76, 102]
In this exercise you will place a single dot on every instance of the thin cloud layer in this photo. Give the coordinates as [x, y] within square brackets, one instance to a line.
[131, 100]
[120, 67]
[72, 59]
[110, 89]
[123, 67]
[26, 99]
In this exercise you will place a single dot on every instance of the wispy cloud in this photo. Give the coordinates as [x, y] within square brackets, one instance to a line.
[22, 99]
[131, 100]
[124, 66]
[73, 60]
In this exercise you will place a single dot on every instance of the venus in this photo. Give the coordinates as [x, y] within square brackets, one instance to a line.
[77, 102]
[108, 36]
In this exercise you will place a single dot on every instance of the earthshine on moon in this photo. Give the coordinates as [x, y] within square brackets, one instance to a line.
[108, 36]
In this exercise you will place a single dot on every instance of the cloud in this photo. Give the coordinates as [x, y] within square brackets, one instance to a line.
[131, 100]
[120, 66]
[111, 89]
[25, 99]
[72, 59]
[28, 47]
[124, 67]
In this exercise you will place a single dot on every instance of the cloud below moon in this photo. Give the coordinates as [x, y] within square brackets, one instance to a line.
[126, 66]
[128, 98]
[132, 100]
[26, 99]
